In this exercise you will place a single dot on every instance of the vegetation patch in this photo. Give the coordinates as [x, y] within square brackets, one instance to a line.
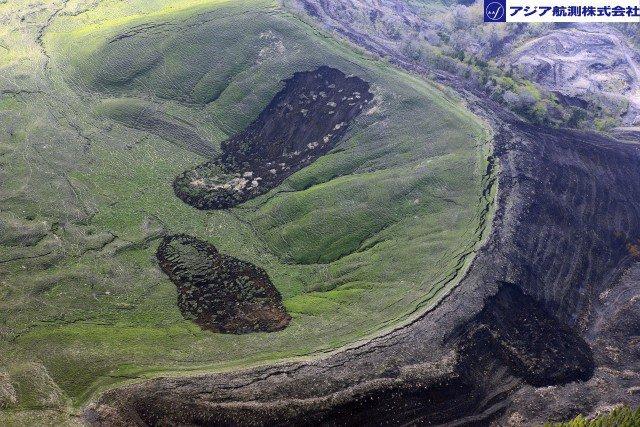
[149, 117]
[218, 292]
[303, 121]
[620, 417]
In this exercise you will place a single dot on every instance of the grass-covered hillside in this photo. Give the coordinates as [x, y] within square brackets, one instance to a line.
[104, 104]
[619, 417]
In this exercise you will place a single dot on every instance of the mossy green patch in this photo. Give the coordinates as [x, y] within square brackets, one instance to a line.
[619, 417]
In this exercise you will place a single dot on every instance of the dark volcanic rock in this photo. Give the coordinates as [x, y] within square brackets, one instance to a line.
[530, 341]
[218, 292]
[304, 121]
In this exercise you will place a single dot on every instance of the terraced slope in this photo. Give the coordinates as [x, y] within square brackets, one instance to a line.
[103, 105]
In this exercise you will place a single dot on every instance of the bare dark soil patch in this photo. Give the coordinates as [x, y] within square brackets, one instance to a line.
[304, 121]
[218, 292]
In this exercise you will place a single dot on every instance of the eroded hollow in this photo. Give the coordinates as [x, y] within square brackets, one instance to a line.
[530, 341]
[218, 292]
[304, 121]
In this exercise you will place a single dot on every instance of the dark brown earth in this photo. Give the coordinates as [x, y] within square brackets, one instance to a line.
[218, 292]
[527, 339]
[304, 121]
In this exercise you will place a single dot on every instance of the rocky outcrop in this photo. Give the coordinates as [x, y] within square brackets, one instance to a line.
[593, 62]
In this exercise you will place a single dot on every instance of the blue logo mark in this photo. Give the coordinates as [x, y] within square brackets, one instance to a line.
[495, 10]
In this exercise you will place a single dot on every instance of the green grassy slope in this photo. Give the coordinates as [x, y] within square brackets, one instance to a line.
[375, 231]
[619, 417]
